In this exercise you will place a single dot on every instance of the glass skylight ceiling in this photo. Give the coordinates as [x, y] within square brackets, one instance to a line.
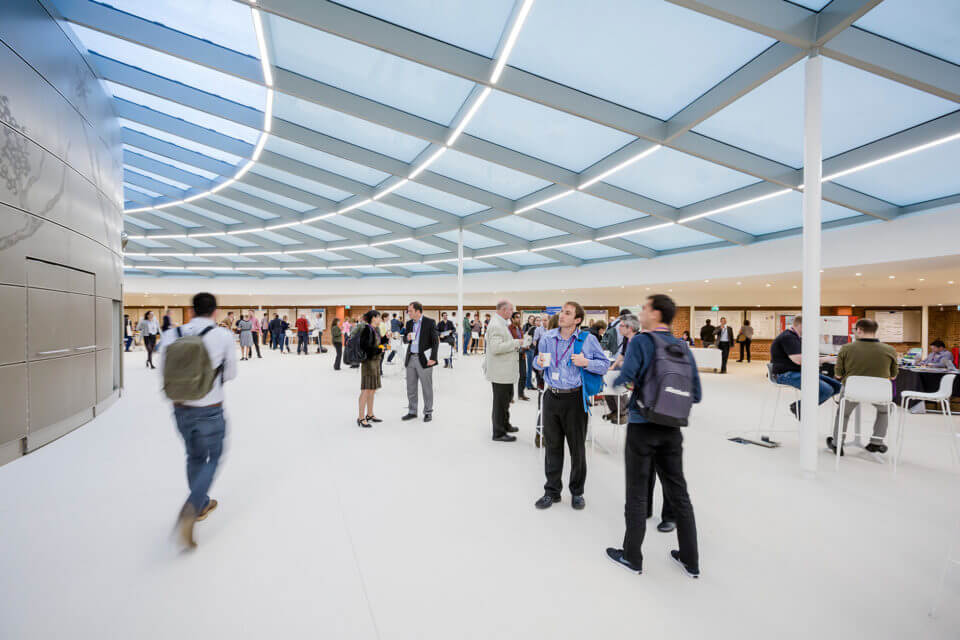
[391, 130]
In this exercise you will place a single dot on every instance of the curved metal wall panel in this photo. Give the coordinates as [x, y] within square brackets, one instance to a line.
[60, 223]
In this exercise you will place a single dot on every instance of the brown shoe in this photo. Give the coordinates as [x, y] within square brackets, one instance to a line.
[185, 522]
[207, 509]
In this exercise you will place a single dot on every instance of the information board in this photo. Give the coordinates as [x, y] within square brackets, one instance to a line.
[700, 317]
[764, 324]
[889, 326]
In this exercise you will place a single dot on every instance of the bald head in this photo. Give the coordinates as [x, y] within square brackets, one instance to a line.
[504, 309]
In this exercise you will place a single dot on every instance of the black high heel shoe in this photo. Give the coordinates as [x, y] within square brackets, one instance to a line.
[373, 419]
[363, 423]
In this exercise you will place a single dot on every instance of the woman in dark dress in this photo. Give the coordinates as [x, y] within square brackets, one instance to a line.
[368, 337]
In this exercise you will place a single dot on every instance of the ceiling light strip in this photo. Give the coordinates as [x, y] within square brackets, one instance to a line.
[511, 41]
[469, 115]
[544, 201]
[625, 163]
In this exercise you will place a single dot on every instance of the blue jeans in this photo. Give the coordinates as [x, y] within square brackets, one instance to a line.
[466, 342]
[531, 356]
[202, 429]
[828, 386]
[127, 342]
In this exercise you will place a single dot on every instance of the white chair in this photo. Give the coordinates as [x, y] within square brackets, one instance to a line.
[772, 379]
[941, 397]
[862, 390]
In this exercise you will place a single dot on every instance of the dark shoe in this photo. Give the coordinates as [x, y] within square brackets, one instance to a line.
[876, 448]
[505, 438]
[409, 416]
[577, 502]
[693, 572]
[833, 447]
[524, 398]
[428, 417]
[512, 429]
[537, 440]
[795, 409]
[373, 419]
[739, 360]
[364, 424]
[185, 522]
[211, 505]
[545, 502]
[666, 526]
[617, 556]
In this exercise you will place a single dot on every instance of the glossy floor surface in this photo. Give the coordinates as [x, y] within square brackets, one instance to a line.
[427, 530]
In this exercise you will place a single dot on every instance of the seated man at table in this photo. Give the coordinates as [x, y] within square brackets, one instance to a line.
[939, 358]
[866, 357]
[785, 360]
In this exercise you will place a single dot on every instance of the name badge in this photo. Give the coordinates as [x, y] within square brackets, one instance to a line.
[555, 376]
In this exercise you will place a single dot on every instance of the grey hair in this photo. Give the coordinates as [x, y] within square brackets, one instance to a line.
[632, 321]
[503, 304]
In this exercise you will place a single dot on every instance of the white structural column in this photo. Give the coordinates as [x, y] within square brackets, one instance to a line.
[459, 329]
[924, 329]
[810, 377]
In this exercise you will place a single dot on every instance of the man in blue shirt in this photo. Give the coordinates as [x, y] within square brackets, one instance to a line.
[651, 445]
[564, 415]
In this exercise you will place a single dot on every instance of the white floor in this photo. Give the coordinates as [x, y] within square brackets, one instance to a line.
[414, 530]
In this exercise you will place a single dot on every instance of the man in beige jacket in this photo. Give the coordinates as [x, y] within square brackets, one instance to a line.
[500, 368]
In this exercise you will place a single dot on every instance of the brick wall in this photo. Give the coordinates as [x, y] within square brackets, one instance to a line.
[945, 325]
[681, 321]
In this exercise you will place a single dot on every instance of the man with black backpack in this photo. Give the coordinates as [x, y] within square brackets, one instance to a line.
[666, 384]
[196, 359]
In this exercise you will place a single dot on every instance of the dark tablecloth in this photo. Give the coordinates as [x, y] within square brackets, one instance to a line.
[926, 381]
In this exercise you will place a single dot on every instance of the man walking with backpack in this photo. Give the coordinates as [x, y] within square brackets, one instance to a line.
[196, 359]
[666, 385]
[568, 357]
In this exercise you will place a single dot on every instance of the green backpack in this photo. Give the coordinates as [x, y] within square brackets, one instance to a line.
[188, 373]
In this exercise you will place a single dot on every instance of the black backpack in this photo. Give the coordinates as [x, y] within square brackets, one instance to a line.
[665, 394]
[355, 351]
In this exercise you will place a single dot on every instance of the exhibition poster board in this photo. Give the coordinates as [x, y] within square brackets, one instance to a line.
[834, 333]
[700, 318]
[764, 324]
[595, 315]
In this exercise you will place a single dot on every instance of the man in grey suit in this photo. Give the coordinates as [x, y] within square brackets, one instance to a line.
[423, 341]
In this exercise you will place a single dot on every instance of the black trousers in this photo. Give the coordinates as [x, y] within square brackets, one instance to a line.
[745, 348]
[150, 343]
[522, 380]
[302, 342]
[564, 419]
[653, 447]
[724, 355]
[339, 347]
[502, 394]
[256, 343]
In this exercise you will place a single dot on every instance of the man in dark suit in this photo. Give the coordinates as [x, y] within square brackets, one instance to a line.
[448, 330]
[724, 338]
[275, 326]
[423, 342]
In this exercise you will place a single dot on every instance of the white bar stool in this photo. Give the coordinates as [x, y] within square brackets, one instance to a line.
[941, 397]
[772, 379]
[862, 390]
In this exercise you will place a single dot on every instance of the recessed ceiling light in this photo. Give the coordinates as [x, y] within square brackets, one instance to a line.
[794, 286]
[859, 274]
[622, 286]
[768, 284]
[739, 283]
[821, 270]
[949, 281]
[706, 281]
[922, 279]
[669, 290]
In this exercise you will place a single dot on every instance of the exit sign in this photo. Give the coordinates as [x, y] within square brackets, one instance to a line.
[714, 308]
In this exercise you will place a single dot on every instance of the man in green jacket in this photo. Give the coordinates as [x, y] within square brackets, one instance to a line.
[866, 357]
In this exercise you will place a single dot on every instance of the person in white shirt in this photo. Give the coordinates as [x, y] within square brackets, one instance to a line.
[149, 329]
[201, 422]
[724, 337]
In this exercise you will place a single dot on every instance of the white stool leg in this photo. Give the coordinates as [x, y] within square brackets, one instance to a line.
[773, 413]
[901, 425]
[840, 431]
[948, 418]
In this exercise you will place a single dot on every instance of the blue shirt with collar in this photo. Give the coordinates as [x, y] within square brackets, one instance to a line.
[415, 343]
[568, 374]
[640, 353]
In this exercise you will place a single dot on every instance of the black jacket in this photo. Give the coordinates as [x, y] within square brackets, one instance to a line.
[707, 332]
[731, 335]
[275, 325]
[429, 341]
[447, 325]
